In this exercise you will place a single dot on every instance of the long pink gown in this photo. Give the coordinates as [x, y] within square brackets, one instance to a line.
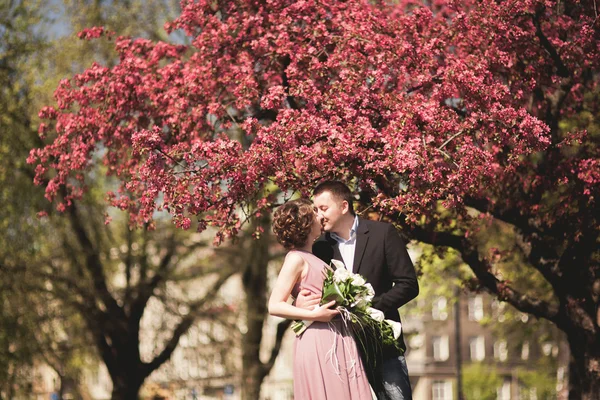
[327, 364]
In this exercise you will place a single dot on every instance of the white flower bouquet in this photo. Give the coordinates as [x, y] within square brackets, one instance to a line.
[353, 296]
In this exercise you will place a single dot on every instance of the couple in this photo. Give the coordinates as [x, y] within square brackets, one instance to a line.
[326, 360]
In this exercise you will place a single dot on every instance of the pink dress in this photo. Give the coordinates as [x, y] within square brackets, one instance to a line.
[327, 364]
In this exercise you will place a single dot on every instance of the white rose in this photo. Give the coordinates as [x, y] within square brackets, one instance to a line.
[358, 280]
[338, 264]
[360, 303]
[396, 327]
[341, 275]
[376, 314]
[370, 293]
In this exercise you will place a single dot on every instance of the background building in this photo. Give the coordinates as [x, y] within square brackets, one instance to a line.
[496, 351]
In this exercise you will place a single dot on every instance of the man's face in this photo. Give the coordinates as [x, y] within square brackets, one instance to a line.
[330, 210]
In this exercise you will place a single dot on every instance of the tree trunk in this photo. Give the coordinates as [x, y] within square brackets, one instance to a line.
[252, 378]
[61, 387]
[584, 370]
[255, 287]
[125, 388]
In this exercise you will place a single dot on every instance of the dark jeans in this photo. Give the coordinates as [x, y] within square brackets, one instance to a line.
[395, 376]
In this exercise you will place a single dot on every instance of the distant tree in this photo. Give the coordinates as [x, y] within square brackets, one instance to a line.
[19, 199]
[481, 382]
[59, 274]
[257, 254]
[16, 352]
[539, 383]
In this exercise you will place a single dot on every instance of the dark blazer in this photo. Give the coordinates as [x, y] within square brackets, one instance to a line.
[381, 257]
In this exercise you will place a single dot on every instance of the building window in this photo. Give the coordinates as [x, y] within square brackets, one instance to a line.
[475, 308]
[416, 342]
[503, 392]
[548, 348]
[525, 351]
[501, 350]
[441, 350]
[439, 310]
[560, 378]
[441, 390]
[477, 348]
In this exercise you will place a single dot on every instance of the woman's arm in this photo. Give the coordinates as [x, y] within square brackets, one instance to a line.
[292, 269]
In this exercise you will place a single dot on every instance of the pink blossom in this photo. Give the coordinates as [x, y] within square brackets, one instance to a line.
[422, 108]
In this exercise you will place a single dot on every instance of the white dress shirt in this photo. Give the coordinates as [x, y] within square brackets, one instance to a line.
[347, 247]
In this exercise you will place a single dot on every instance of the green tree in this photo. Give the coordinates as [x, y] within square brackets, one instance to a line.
[63, 272]
[539, 383]
[480, 382]
[16, 352]
[19, 198]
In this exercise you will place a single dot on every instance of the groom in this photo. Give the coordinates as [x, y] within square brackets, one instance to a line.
[374, 250]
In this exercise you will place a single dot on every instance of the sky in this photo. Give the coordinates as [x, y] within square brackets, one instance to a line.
[58, 26]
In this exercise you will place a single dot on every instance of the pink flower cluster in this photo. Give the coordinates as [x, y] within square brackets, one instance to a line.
[424, 104]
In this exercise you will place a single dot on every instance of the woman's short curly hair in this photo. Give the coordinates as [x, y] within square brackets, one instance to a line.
[292, 223]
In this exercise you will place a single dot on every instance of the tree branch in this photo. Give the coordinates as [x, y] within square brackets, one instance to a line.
[512, 216]
[580, 275]
[93, 264]
[285, 62]
[542, 254]
[73, 286]
[426, 85]
[128, 265]
[482, 270]
[143, 259]
[561, 68]
[147, 288]
[505, 292]
[185, 324]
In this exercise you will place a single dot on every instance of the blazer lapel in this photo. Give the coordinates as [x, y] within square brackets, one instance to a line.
[362, 238]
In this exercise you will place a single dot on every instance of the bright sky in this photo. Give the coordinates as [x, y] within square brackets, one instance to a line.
[58, 26]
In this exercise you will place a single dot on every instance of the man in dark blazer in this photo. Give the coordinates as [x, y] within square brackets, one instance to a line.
[376, 251]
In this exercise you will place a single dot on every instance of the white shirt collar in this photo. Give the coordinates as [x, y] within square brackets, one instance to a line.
[353, 230]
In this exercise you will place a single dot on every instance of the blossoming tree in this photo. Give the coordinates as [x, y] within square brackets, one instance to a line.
[438, 112]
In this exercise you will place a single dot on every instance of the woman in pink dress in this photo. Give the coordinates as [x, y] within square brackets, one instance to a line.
[327, 364]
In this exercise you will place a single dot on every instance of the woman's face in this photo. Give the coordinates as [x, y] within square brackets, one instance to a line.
[317, 227]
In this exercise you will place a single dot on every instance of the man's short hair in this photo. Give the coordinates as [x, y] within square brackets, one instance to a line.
[338, 190]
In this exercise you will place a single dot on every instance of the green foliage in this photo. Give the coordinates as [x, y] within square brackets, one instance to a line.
[480, 382]
[19, 199]
[541, 381]
[16, 351]
[334, 291]
[441, 270]
[443, 273]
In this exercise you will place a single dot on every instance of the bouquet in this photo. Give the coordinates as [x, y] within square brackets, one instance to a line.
[353, 296]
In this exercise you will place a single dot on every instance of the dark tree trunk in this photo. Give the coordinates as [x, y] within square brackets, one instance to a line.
[125, 388]
[61, 387]
[584, 369]
[255, 287]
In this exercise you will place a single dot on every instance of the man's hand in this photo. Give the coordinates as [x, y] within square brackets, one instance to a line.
[307, 300]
